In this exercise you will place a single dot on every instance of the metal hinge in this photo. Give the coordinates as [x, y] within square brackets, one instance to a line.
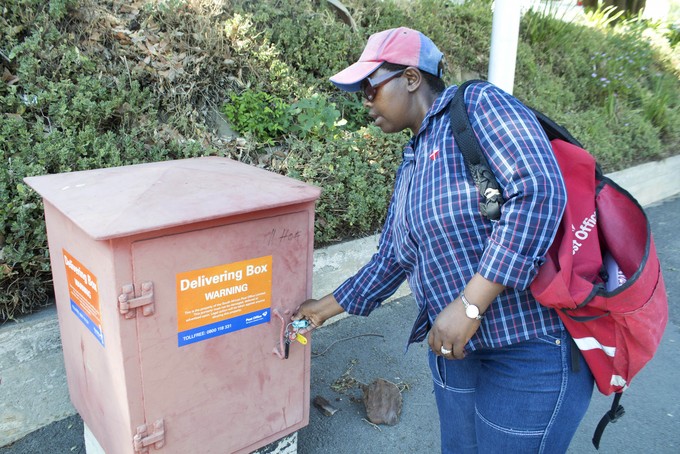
[143, 440]
[129, 300]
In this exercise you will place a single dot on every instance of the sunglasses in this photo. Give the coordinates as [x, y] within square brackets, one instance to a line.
[370, 86]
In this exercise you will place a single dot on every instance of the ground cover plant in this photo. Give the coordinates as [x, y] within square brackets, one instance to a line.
[97, 83]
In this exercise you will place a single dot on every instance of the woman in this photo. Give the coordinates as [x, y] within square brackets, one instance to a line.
[501, 362]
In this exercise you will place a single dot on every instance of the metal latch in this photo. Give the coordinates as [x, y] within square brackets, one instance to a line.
[143, 439]
[128, 300]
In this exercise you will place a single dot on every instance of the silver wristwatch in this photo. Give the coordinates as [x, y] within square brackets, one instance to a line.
[471, 310]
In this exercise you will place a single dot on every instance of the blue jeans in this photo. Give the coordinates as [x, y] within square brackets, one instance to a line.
[524, 398]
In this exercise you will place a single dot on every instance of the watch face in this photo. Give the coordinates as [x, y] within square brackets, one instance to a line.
[472, 311]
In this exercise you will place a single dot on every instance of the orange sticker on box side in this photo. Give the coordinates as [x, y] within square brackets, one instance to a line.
[84, 295]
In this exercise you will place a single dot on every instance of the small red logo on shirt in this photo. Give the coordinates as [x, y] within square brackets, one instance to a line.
[434, 155]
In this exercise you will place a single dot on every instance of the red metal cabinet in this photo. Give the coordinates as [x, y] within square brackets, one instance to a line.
[173, 281]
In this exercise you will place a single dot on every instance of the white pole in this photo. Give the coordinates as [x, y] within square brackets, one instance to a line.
[504, 37]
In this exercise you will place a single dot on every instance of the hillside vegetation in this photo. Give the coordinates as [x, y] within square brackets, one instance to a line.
[96, 83]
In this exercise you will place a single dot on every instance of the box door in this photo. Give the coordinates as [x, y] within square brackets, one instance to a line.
[207, 361]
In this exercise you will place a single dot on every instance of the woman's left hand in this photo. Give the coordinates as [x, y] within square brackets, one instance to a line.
[451, 331]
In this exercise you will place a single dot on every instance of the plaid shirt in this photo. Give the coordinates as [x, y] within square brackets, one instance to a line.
[435, 236]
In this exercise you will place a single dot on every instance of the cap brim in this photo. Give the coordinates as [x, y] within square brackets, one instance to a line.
[350, 78]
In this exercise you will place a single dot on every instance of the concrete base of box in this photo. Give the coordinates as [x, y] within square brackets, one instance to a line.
[286, 445]
[92, 446]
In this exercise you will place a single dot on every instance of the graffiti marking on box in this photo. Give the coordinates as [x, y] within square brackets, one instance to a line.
[223, 299]
[84, 295]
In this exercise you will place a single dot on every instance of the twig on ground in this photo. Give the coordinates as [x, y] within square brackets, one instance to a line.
[346, 338]
[375, 426]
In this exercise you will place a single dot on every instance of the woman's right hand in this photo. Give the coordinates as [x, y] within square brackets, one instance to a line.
[317, 311]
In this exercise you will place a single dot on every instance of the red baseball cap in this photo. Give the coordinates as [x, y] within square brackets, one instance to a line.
[400, 46]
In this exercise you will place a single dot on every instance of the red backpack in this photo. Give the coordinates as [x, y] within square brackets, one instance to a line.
[601, 274]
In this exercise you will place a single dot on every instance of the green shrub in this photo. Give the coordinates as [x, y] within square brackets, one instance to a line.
[617, 142]
[58, 114]
[461, 31]
[613, 87]
[264, 116]
[314, 55]
[673, 35]
[268, 118]
[315, 117]
[356, 173]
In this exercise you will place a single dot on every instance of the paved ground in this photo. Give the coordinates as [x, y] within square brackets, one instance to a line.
[364, 349]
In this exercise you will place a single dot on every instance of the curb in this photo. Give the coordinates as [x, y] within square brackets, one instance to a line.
[32, 375]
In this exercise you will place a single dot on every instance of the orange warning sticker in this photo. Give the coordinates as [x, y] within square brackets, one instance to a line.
[222, 299]
[84, 295]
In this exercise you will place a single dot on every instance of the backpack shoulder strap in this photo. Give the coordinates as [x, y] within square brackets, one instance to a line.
[553, 130]
[462, 129]
[556, 131]
[475, 161]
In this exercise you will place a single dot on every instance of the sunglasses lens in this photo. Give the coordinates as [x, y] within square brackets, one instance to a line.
[370, 86]
[369, 91]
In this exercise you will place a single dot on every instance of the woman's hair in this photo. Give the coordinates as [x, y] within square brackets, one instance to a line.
[435, 83]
